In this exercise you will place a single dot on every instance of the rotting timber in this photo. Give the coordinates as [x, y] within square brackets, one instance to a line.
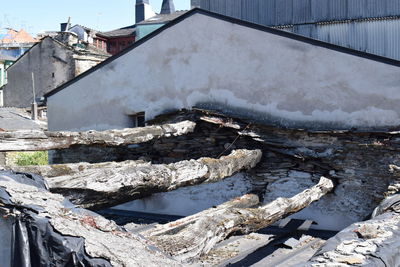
[41, 215]
[49, 231]
[35, 140]
[194, 236]
[102, 185]
[360, 162]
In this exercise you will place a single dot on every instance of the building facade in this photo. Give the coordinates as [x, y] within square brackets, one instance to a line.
[5, 62]
[119, 39]
[263, 73]
[15, 43]
[52, 63]
[146, 21]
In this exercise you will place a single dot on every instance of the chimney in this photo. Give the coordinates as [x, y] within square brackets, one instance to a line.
[63, 27]
[167, 7]
[143, 10]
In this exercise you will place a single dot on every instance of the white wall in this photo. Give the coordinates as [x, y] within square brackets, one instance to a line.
[207, 60]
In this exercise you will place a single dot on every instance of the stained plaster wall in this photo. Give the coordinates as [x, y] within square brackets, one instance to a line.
[207, 60]
[44, 59]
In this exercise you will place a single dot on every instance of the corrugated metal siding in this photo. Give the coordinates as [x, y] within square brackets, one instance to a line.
[313, 18]
[380, 37]
[285, 12]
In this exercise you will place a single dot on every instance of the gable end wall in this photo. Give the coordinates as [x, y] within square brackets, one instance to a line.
[205, 61]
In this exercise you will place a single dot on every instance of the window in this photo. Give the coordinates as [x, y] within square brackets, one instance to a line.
[138, 119]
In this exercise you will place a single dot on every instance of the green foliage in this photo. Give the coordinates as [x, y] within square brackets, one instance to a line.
[31, 158]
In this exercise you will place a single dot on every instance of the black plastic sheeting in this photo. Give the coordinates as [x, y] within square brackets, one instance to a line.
[34, 240]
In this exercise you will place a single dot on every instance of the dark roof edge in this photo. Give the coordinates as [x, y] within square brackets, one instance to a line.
[263, 28]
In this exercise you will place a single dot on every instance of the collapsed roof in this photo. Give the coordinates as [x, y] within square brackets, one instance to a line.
[346, 158]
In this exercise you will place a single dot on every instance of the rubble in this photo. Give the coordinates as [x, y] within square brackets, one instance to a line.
[36, 140]
[24, 198]
[371, 243]
[96, 186]
[362, 164]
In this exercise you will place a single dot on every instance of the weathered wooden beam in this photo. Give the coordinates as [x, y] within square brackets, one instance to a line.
[36, 140]
[55, 233]
[192, 237]
[102, 185]
[246, 201]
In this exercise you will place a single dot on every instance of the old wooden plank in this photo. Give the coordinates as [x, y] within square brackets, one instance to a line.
[214, 225]
[36, 140]
[103, 185]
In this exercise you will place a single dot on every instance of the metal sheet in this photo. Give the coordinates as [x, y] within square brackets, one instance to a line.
[380, 37]
[358, 30]
[286, 12]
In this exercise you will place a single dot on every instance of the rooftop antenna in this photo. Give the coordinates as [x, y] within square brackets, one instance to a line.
[68, 24]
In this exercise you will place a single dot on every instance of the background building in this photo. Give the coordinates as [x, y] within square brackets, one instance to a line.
[15, 43]
[53, 61]
[5, 62]
[146, 22]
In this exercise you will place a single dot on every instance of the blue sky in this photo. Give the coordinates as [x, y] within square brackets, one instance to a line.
[46, 15]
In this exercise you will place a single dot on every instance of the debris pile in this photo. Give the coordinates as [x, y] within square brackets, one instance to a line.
[285, 166]
[374, 242]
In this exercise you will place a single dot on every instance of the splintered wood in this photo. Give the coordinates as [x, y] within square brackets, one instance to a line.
[194, 236]
[102, 185]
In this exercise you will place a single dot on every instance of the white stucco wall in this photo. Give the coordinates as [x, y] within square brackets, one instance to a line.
[207, 60]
